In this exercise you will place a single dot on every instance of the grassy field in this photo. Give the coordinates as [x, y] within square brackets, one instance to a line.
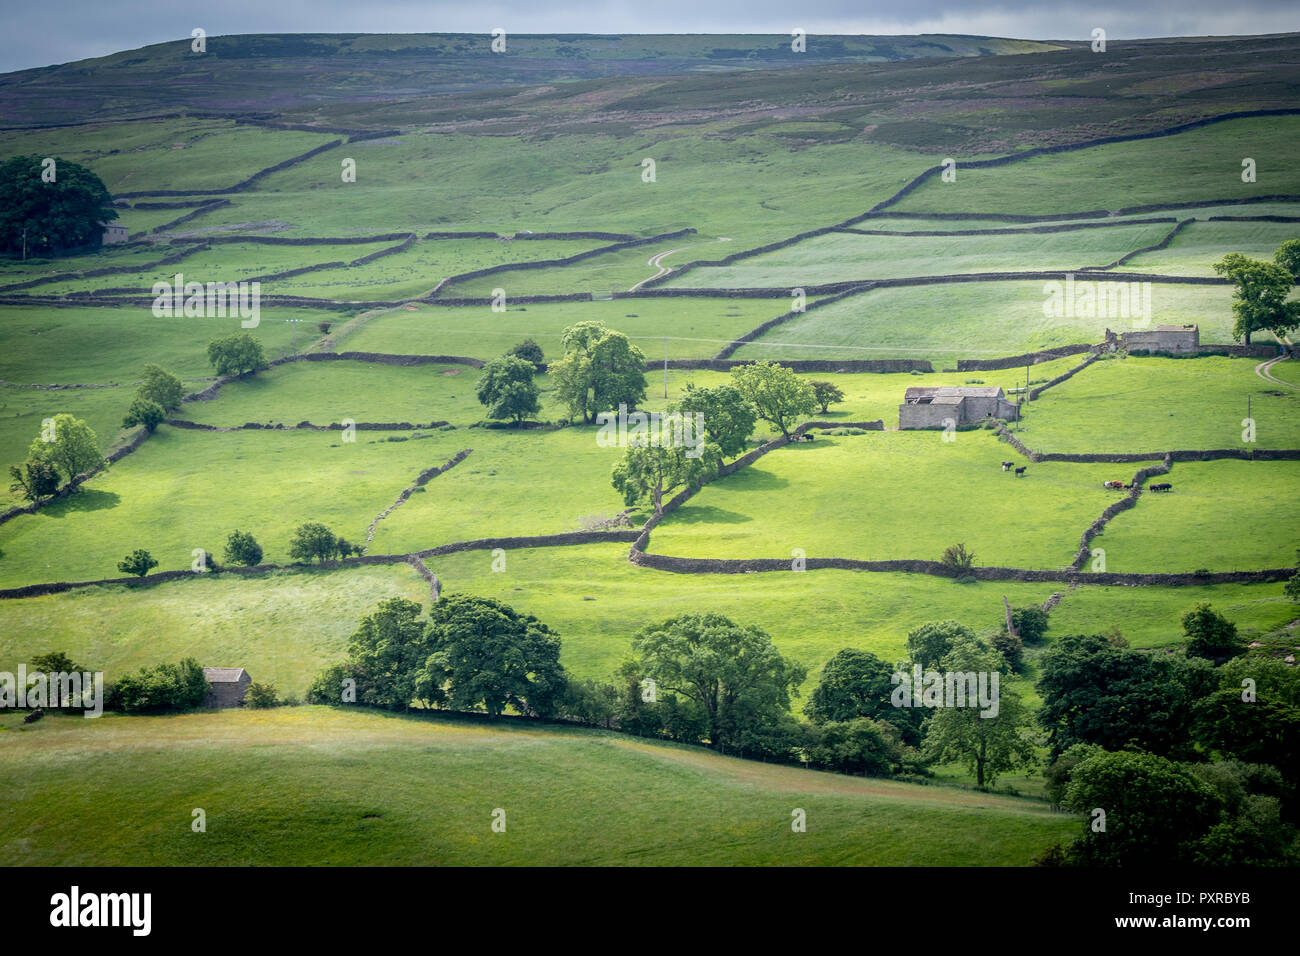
[752, 189]
[512, 484]
[1142, 404]
[841, 256]
[285, 626]
[1195, 250]
[695, 328]
[1201, 163]
[315, 786]
[861, 497]
[112, 345]
[972, 320]
[166, 154]
[184, 490]
[1221, 515]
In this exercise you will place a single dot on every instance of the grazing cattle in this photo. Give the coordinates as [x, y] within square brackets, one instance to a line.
[1162, 486]
[34, 716]
[1021, 471]
[1007, 464]
[1114, 484]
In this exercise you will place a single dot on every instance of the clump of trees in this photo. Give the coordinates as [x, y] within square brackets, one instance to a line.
[312, 541]
[826, 394]
[261, 696]
[166, 687]
[1262, 288]
[242, 548]
[236, 354]
[67, 447]
[158, 393]
[1189, 762]
[600, 369]
[59, 207]
[778, 395]
[507, 389]
[139, 562]
[472, 654]
[529, 351]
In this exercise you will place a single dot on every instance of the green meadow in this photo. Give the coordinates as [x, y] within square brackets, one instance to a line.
[184, 490]
[694, 327]
[314, 786]
[1197, 247]
[1145, 404]
[944, 322]
[1204, 163]
[167, 154]
[891, 495]
[1220, 515]
[837, 256]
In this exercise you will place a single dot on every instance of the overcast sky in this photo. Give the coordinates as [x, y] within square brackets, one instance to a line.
[58, 31]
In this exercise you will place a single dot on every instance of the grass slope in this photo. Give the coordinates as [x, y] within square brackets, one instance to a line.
[316, 786]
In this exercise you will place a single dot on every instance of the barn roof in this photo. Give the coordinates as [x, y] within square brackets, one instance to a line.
[223, 675]
[952, 391]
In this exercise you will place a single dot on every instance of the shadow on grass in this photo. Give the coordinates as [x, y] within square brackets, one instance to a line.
[87, 499]
[707, 514]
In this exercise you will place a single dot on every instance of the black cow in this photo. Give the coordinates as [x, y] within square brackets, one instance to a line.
[1021, 471]
[1007, 464]
[1162, 486]
[34, 716]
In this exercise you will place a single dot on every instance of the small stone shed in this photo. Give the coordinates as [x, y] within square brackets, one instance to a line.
[1180, 339]
[114, 233]
[226, 686]
[927, 407]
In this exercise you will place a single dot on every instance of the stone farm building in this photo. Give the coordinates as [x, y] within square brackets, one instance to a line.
[928, 407]
[114, 232]
[1179, 339]
[226, 686]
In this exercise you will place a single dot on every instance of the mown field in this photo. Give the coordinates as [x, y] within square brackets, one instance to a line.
[315, 786]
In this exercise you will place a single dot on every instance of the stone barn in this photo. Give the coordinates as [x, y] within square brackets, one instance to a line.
[226, 686]
[1179, 339]
[927, 407]
[114, 233]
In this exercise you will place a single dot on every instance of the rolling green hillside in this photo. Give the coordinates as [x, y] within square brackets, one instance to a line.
[314, 786]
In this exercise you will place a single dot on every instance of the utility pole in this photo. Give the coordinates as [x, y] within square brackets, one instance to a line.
[24, 243]
[665, 366]
[295, 335]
